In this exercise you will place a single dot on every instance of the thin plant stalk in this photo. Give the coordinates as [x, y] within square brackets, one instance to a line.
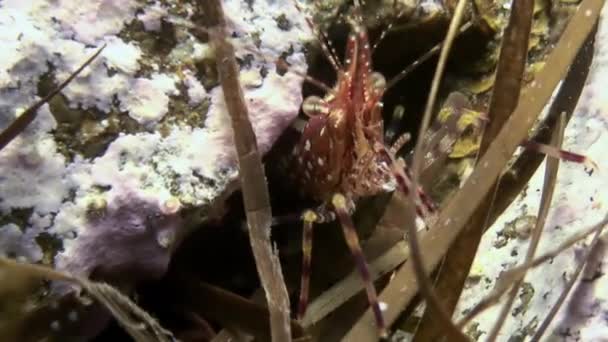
[551, 169]
[253, 179]
[25, 118]
[426, 286]
[453, 217]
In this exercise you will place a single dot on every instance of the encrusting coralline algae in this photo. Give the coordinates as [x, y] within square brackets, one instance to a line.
[106, 169]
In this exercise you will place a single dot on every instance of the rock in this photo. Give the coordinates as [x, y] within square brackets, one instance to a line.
[579, 202]
[139, 147]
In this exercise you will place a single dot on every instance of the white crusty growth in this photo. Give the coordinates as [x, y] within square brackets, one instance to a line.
[142, 174]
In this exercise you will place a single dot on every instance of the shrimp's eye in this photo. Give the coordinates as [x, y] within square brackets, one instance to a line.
[314, 105]
[378, 82]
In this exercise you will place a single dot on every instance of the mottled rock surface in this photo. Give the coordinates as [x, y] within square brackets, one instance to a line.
[579, 202]
[139, 146]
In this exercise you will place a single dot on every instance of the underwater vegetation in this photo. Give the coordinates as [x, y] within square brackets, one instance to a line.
[153, 190]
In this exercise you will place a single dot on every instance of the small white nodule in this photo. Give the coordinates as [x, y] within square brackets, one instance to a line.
[307, 145]
[378, 82]
[383, 306]
[171, 206]
[55, 326]
[314, 105]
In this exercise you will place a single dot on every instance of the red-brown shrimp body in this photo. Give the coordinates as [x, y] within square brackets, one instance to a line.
[341, 155]
[338, 140]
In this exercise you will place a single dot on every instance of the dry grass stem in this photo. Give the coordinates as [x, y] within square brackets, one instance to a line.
[23, 120]
[137, 322]
[453, 218]
[562, 297]
[426, 287]
[515, 274]
[506, 92]
[551, 169]
[253, 179]
[351, 285]
[228, 309]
